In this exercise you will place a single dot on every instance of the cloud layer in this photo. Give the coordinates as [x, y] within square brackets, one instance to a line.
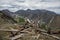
[14, 5]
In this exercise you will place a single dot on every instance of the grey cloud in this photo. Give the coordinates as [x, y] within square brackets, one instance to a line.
[14, 5]
[20, 0]
[50, 0]
[55, 10]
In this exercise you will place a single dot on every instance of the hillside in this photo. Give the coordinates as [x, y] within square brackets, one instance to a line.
[34, 24]
[41, 16]
[55, 24]
[9, 23]
[36, 14]
[4, 19]
[5, 23]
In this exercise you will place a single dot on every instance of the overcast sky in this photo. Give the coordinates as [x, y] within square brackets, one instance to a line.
[14, 5]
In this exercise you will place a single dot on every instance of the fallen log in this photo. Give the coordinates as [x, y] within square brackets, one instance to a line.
[58, 38]
[16, 37]
[8, 30]
[44, 32]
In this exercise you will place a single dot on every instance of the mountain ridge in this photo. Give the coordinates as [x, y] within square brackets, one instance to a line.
[35, 15]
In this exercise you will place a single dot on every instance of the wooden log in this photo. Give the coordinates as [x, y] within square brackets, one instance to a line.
[16, 37]
[8, 30]
[44, 32]
[58, 38]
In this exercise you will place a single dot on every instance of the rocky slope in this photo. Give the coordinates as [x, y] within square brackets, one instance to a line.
[50, 18]
[5, 18]
[36, 15]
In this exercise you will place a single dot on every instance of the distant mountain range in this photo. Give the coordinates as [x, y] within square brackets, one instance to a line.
[36, 15]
